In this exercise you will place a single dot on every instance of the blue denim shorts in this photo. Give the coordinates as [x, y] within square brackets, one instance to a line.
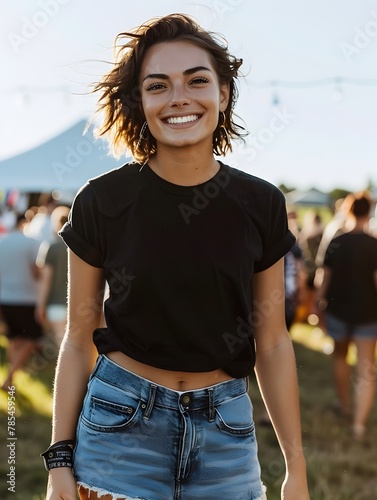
[340, 330]
[139, 440]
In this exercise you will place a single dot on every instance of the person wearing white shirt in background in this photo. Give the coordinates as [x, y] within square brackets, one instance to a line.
[19, 276]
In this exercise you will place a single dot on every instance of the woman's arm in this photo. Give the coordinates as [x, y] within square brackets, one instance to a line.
[75, 362]
[276, 374]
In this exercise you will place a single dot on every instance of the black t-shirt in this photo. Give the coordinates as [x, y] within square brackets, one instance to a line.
[179, 262]
[352, 294]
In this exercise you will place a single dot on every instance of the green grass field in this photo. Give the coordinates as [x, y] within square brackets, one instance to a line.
[338, 467]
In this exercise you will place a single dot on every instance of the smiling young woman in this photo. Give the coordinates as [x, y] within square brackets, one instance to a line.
[155, 402]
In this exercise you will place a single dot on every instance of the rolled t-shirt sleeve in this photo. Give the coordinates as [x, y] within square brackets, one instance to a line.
[277, 238]
[81, 233]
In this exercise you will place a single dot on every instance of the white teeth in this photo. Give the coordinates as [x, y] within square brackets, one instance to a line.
[182, 119]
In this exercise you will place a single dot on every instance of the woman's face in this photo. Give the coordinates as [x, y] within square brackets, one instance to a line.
[181, 94]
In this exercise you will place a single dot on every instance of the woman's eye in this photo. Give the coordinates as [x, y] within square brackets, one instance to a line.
[198, 80]
[155, 86]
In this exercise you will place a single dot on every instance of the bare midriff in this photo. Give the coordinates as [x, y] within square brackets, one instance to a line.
[176, 380]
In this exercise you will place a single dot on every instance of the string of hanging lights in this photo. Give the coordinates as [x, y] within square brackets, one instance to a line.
[336, 81]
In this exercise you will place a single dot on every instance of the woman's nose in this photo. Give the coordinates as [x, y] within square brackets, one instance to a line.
[179, 96]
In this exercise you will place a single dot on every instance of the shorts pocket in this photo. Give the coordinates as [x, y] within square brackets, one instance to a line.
[235, 416]
[108, 408]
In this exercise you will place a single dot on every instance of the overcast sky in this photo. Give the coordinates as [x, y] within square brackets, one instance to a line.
[322, 135]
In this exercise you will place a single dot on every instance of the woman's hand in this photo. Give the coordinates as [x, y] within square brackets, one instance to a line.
[61, 484]
[295, 487]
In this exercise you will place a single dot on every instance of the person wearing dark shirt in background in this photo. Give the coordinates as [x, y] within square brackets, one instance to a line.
[348, 298]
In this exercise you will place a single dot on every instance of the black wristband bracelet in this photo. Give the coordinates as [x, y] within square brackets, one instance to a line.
[60, 443]
[59, 454]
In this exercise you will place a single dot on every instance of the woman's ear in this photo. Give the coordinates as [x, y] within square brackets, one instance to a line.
[224, 96]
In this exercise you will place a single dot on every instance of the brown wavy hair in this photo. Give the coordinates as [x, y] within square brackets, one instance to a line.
[120, 92]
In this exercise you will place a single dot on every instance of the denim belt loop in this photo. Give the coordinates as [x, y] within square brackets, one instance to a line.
[96, 366]
[151, 398]
[211, 406]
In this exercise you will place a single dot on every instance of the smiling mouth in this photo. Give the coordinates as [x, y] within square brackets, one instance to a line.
[176, 120]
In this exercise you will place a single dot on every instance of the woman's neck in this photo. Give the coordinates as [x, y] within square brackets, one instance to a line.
[185, 167]
[357, 225]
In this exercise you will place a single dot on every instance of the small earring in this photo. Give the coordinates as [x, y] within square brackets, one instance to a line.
[223, 128]
[143, 136]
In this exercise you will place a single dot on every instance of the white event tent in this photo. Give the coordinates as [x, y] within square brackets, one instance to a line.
[63, 163]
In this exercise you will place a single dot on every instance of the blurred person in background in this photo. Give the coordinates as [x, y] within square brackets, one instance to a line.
[309, 239]
[373, 223]
[8, 219]
[293, 221]
[52, 299]
[292, 270]
[39, 226]
[335, 227]
[18, 294]
[348, 299]
[295, 276]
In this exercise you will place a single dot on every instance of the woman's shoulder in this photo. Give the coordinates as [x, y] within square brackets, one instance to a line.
[112, 178]
[253, 188]
[113, 191]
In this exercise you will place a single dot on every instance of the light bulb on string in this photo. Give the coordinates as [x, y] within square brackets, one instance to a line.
[275, 94]
[22, 99]
[338, 91]
[275, 99]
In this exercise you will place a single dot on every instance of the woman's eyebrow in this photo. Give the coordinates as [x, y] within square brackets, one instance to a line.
[190, 71]
[195, 69]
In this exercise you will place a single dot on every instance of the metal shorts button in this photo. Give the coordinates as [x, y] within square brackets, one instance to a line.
[186, 399]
